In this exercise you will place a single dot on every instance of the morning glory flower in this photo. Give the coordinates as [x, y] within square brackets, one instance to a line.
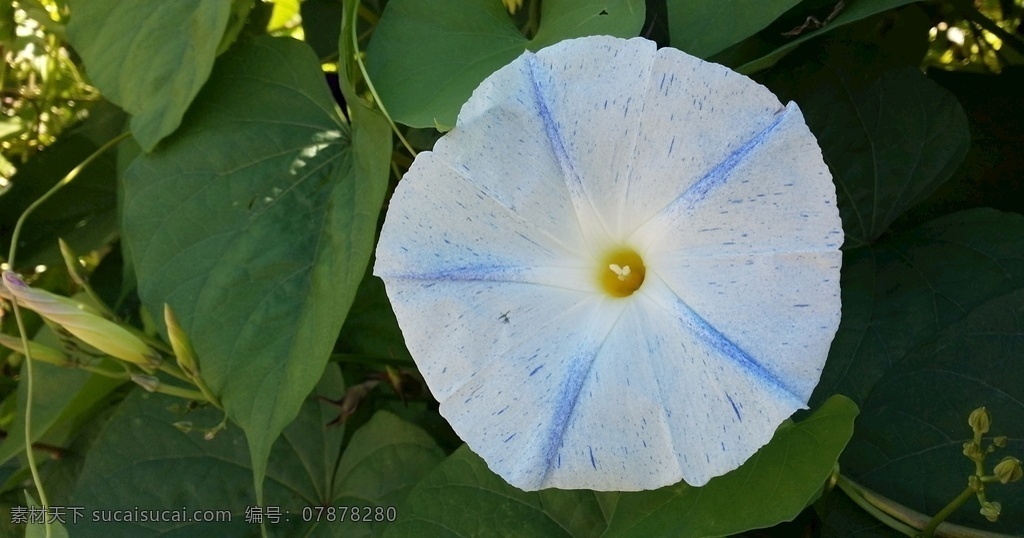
[620, 269]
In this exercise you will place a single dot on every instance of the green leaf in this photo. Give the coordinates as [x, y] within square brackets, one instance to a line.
[151, 57]
[899, 293]
[704, 27]
[255, 223]
[773, 486]
[371, 329]
[141, 445]
[851, 11]
[889, 142]
[427, 56]
[62, 397]
[382, 463]
[909, 440]
[462, 497]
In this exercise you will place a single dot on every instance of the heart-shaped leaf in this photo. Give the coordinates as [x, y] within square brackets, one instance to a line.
[255, 223]
[909, 440]
[890, 142]
[901, 292]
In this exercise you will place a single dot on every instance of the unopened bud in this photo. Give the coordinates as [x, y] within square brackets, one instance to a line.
[999, 442]
[83, 322]
[991, 510]
[39, 352]
[71, 262]
[980, 421]
[184, 425]
[183, 351]
[973, 451]
[1008, 470]
[147, 382]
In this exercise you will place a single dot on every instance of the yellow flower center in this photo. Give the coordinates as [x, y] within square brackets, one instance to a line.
[621, 272]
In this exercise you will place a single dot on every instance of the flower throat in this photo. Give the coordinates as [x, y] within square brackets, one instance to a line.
[621, 272]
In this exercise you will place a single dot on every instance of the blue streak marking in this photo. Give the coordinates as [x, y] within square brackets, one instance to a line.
[485, 273]
[554, 135]
[717, 175]
[564, 406]
[509, 438]
[593, 462]
[535, 370]
[720, 343]
[734, 408]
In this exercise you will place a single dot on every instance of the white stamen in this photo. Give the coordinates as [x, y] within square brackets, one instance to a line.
[623, 272]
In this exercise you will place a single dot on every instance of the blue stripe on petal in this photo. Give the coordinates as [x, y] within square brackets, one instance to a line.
[564, 406]
[714, 339]
[540, 90]
[717, 175]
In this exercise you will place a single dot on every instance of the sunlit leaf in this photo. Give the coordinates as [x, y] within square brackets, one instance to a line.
[255, 223]
[151, 57]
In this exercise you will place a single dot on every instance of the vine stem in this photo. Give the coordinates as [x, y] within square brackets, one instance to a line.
[946, 511]
[373, 90]
[29, 379]
[903, 519]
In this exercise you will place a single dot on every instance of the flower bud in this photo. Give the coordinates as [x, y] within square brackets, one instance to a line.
[148, 382]
[999, 442]
[184, 426]
[71, 262]
[991, 510]
[183, 351]
[973, 451]
[83, 322]
[980, 421]
[1008, 470]
[39, 352]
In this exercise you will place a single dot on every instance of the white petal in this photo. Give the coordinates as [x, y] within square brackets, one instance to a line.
[499, 143]
[773, 194]
[722, 403]
[455, 329]
[514, 412]
[695, 115]
[444, 227]
[619, 436]
[591, 92]
[782, 309]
